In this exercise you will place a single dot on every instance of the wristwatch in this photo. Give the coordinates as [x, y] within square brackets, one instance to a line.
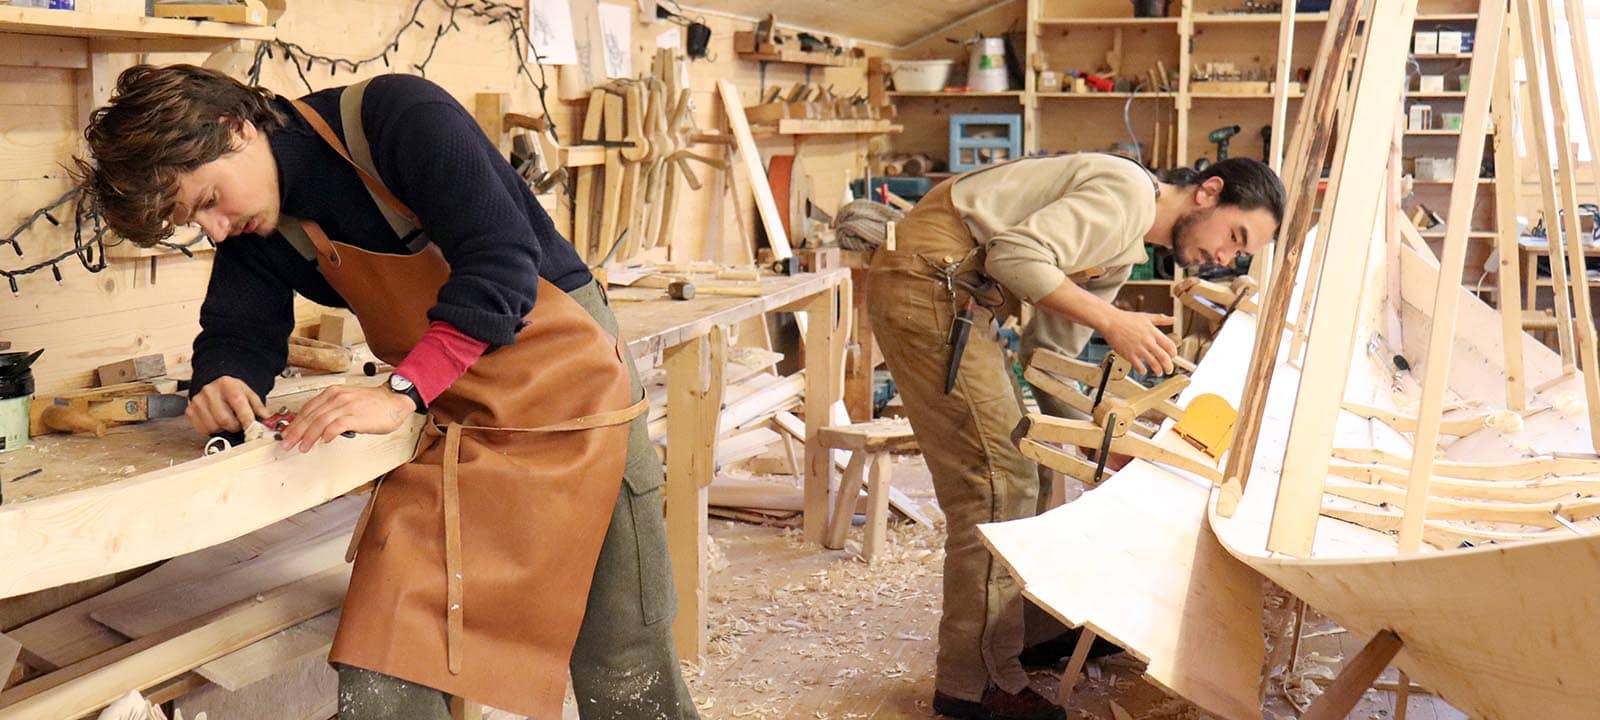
[403, 385]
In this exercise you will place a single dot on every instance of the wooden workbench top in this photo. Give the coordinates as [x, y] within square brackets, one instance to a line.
[651, 322]
[144, 493]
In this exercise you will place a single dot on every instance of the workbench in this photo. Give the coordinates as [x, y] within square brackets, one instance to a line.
[144, 493]
[688, 339]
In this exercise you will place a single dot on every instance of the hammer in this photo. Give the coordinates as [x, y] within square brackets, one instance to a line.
[680, 290]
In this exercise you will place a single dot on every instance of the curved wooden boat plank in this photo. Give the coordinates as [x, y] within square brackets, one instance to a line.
[1441, 534]
[1521, 469]
[1536, 490]
[192, 505]
[1495, 630]
[1537, 514]
[1133, 561]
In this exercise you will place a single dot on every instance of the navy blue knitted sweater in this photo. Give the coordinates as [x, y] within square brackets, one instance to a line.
[435, 159]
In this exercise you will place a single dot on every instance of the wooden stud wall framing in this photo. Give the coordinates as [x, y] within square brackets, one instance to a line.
[139, 306]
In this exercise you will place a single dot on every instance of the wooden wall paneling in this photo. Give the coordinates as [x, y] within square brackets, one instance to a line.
[1097, 123]
[43, 51]
[34, 138]
[36, 86]
[1084, 47]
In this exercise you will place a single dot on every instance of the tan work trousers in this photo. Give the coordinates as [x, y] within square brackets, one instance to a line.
[979, 475]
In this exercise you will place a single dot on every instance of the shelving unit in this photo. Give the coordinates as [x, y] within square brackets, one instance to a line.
[941, 94]
[77, 23]
[1087, 35]
[1437, 142]
[836, 127]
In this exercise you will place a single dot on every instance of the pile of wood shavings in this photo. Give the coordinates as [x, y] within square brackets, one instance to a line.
[801, 626]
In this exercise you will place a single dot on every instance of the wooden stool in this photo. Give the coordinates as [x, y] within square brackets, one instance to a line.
[870, 445]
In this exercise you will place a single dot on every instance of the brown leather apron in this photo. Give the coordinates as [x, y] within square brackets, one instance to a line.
[473, 565]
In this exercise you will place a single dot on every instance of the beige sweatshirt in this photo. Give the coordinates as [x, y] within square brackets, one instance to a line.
[1042, 219]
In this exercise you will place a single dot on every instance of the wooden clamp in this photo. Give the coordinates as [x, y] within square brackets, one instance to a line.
[1214, 302]
[1125, 409]
[1117, 382]
[1046, 429]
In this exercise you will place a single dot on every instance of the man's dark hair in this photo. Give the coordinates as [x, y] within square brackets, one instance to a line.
[162, 122]
[1246, 184]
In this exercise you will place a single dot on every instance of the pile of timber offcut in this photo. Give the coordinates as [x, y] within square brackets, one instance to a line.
[238, 630]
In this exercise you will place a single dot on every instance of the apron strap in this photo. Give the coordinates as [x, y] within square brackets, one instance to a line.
[401, 219]
[290, 229]
[608, 418]
[455, 627]
[307, 237]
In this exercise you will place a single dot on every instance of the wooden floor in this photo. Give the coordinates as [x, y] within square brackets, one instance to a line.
[800, 632]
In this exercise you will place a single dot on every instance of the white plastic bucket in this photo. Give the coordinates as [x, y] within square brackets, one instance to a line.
[921, 75]
[986, 67]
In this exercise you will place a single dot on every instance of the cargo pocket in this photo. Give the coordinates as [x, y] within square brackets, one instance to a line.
[657, 599]
[643, 472]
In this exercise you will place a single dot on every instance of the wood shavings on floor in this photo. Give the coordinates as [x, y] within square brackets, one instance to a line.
[797, 631]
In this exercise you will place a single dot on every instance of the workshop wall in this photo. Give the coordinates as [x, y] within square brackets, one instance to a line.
[145, 302]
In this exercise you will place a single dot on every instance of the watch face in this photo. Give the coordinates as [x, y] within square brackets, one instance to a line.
[399, 383]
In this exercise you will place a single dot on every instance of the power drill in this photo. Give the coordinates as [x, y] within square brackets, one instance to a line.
[1220, 136]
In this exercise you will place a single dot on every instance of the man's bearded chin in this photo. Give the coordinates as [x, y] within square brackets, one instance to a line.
[1183, 237]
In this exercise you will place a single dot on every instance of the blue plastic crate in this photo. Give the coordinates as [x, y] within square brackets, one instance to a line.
[974, 142]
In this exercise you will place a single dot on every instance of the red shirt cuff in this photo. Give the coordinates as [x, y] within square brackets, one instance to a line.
[440, 358]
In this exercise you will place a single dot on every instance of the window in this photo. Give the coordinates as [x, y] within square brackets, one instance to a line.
[1568, 70]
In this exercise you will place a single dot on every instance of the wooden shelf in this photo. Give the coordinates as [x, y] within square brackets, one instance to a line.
[1105, 95]
[836, 127]
[1435, 133]
[1439, 235]
[1481, 181]
[1111, 21]
[1461, 94]
[75, 23]
[1147, 283]
[1003, 94]
[1438, 17]
[1262, 18]
[1445, 56]
[1241, 96]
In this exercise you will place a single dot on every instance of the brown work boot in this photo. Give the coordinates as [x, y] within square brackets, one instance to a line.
[999, 705]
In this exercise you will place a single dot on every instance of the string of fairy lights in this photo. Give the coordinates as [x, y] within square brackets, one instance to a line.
[89, 231]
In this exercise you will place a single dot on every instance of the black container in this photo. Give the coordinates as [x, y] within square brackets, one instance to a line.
[16, 373]
[1149, 8]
